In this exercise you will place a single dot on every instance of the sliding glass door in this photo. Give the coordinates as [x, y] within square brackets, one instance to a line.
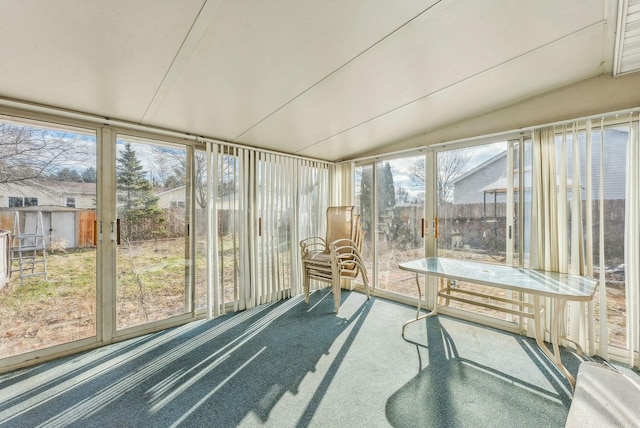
[477, 218]
[47, 255]
[105, 233]
[390, 199]
[152, 206]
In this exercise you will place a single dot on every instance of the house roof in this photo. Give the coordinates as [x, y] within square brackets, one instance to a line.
[68, 187]
[328, 80]
[481, 166]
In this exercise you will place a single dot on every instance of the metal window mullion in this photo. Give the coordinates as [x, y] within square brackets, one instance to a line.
[588, 207]
[210, 283]
[602, 297]
[235, 196]
[509, 232]
[245, 218]
[267, 238]
[216, 266]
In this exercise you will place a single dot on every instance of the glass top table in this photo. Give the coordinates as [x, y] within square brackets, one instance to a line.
[559, 287]
[548, 284]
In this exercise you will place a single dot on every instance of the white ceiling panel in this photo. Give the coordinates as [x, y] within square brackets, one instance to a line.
[104, 57]
[458, 102]
[258, 56]
[429, 54]
[322, 78]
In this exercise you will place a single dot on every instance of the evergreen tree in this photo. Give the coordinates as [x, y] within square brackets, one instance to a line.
[386, 188]
[366, 198]
[385, 193]
[137, 204]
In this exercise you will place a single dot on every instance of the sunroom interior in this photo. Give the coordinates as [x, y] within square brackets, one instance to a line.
[161, 161]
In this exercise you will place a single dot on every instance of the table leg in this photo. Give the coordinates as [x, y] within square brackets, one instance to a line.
[557, 316]
[423, 316]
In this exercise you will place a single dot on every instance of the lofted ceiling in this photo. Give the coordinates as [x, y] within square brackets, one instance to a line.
[328, 79]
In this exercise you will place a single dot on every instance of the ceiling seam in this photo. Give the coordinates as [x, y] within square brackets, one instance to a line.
[338, 69]
[451, 84]
[192, 39]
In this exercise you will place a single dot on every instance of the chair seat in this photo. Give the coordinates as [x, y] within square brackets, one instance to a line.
[317, 258]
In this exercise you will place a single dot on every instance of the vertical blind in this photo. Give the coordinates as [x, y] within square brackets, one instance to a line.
[260, 206]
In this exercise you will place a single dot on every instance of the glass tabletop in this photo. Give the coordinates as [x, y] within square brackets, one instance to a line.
[552, 284]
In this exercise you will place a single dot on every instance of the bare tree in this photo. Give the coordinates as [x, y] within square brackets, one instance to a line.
[200, 161]
[226, 175]
[28, 153]
[451, 165]
[162, 167]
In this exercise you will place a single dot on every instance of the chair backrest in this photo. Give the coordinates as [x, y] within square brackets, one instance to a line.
[358, 234]
[340, 223]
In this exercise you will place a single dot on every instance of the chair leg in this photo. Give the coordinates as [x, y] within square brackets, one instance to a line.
[365, 280]
[336, 294]
[306, 285]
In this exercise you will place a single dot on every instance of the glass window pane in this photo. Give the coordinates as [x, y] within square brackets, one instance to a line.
[398, 221]
[152, 271]
[474, 218]
[50, 298]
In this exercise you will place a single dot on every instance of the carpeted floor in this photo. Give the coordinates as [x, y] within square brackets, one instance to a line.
[290, 364]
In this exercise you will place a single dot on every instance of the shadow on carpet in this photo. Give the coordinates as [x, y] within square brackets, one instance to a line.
[458, 392]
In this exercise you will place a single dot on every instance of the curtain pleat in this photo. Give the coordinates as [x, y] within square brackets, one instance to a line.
[544, 202]
[563, 207]
[342, 185]
[632, 241]
[545, 210]
[267, 203]
[577, 265]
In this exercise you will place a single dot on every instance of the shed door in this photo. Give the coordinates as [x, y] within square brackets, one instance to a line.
[63, 229]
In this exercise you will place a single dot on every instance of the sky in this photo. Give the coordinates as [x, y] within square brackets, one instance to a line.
[401, 167]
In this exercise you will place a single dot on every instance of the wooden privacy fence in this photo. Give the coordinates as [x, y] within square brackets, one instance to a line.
[483, 226]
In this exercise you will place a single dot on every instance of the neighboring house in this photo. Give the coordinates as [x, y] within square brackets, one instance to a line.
[48, 192]
[487, 181]
[68, 210]
[172, 198]
[468, 188]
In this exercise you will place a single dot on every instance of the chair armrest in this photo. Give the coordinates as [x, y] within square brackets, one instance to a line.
[313, 245]
[343, 244]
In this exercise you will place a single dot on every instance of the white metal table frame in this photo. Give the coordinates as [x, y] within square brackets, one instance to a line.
[560, 287]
